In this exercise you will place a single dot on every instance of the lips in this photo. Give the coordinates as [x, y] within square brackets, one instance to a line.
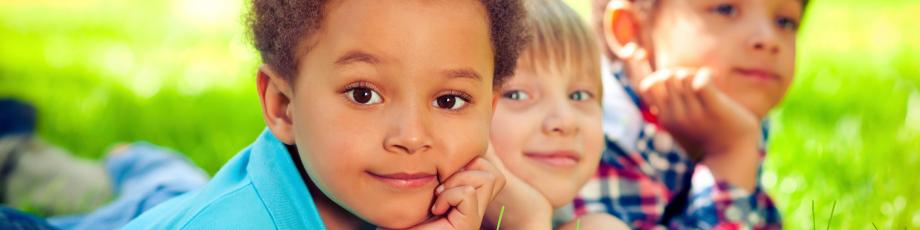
[563, 159]
[403, 180]
[757, 74]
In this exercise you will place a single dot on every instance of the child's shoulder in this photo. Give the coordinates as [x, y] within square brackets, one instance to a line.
[228, 200]
[197, 210]
[258, 187]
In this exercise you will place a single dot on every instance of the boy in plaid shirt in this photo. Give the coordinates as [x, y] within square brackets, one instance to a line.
[703, 74]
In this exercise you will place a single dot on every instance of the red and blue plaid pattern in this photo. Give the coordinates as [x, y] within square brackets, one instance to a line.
[658, 186]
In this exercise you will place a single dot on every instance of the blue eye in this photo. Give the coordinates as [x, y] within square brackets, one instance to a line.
[787, 23]
[726, 9]
[580, 95]
[516, 95]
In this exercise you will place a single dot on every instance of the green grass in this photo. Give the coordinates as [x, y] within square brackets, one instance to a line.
[846, 139]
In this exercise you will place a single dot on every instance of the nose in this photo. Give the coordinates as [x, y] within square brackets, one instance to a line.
[407, 130]
[764, 39]
[560, 119]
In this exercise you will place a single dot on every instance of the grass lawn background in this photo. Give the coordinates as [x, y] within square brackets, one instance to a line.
[180, 73]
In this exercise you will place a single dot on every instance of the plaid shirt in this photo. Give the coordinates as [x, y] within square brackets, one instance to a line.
[658, 186]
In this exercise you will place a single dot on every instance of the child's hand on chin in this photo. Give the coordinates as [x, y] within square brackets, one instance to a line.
[525, 207]
[462, 198]
[706, 122]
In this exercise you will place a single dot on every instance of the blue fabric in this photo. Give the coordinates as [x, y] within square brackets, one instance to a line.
[143, 176]
[13, 219]
[16, 117]
[259, 188]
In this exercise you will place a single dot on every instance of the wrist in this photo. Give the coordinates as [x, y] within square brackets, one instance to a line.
[731, 144]
[736, 163]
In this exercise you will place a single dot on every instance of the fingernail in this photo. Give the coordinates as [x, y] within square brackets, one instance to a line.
[682, 73]
[439, 189]
[628, 50]
[701, 80]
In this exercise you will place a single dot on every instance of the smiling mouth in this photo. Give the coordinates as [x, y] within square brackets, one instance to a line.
[757, 74]
[561, 159]
[405, 181]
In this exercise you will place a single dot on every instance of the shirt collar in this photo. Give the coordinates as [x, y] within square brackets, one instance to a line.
[280, 186]
[620, 74]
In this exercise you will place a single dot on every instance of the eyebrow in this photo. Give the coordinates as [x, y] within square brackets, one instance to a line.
[463, 73]
[357, 56]
[361, 56]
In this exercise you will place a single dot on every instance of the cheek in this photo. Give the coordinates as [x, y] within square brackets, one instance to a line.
[510, 131]
[335, 145]
[686, 45]
[594, 133]
[463, 139]
[338, 132]
[593, 143]
[787, 66]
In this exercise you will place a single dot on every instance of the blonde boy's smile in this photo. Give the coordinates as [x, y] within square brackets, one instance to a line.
[560, 159]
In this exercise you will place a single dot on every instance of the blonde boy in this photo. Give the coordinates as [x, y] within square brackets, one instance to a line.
[547, 126]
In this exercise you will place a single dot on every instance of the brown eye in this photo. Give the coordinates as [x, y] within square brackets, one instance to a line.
[450, 102]
[363, 95]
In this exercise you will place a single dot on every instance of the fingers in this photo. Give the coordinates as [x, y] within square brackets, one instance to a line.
[480, 175]
[653, 90]
[710, 97]
[666, 93]
[693, 108]
[676, 101]
[638, 58]
[462, 197]
[496, 180]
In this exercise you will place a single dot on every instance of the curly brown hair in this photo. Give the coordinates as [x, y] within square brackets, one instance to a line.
[278, 27]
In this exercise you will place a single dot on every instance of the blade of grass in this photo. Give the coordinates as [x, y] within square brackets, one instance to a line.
[501, 213]
[832, 215]
[813, 220]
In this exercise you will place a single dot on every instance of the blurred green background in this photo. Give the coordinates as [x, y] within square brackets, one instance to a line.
[180, 73]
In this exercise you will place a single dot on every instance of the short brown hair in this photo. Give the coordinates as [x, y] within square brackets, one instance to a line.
[278, 27]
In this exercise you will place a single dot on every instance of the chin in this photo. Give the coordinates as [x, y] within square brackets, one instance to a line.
[562, 199]
[395, 222]
[399, 215]
[558, 196]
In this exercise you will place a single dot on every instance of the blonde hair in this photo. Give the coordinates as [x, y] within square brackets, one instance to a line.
[560, 41]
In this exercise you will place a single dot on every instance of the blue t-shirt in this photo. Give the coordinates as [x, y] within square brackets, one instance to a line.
[260, 188]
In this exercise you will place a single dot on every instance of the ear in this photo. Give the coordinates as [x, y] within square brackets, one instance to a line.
[621, 29]
[275, 95]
